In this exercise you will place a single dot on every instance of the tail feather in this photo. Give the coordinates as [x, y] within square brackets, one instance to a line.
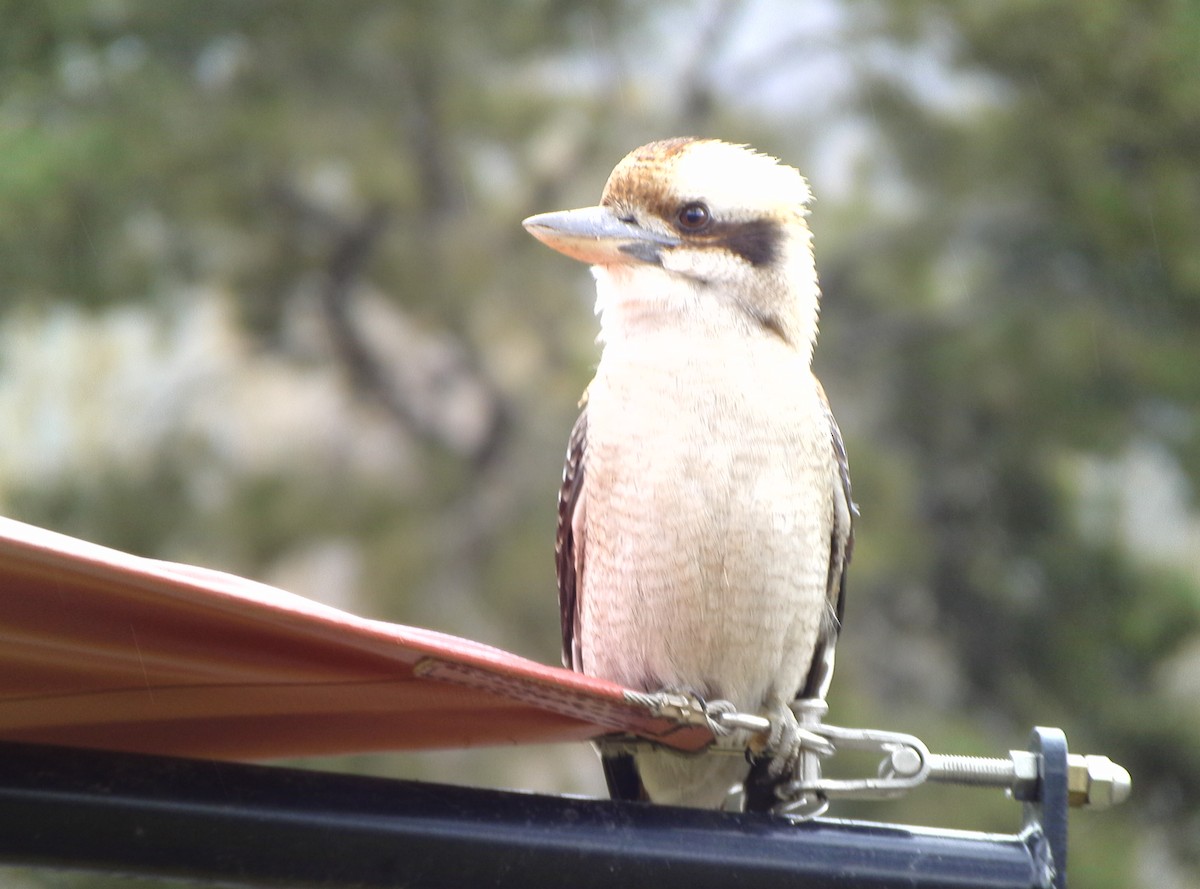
[621, 775]
[758, 790]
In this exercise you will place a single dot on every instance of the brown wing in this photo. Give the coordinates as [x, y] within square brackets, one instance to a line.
[841, 546]
[569, 543]
[620, 770]
[759, 786]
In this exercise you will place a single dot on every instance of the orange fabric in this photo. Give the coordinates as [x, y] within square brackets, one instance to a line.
[102, 649]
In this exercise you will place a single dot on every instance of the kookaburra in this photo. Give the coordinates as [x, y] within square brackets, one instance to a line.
[705, 514]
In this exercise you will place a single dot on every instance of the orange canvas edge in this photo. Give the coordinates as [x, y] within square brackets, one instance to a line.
[105, 649]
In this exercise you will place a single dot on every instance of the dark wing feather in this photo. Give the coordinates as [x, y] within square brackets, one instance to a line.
[759, 785]
[620, 770]
[568, 543]
[841, 546]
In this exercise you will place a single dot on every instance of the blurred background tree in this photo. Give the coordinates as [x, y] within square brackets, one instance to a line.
[265, 305]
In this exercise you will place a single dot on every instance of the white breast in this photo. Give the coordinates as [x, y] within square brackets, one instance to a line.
[708, 519]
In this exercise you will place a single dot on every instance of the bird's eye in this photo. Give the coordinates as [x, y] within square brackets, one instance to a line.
[693, 217]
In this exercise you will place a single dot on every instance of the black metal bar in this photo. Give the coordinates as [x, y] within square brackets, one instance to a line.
[263, 826]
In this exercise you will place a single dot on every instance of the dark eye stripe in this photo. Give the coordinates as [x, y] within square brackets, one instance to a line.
[756, 241]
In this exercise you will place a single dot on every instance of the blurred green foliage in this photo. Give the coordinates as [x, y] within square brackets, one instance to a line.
[1067, 204]
[1011, 325]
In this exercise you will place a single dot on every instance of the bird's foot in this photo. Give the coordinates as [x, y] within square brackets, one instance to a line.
[791, 738]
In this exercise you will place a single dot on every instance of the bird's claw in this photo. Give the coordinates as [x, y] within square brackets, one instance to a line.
[788, 740]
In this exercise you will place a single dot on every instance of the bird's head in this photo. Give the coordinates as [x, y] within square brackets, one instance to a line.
[697, 228]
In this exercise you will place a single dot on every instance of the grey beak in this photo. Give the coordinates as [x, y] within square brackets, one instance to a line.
[596, 235]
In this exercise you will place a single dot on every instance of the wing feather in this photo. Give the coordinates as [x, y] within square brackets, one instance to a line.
[569, 542]
[759, 786]
[841, 546]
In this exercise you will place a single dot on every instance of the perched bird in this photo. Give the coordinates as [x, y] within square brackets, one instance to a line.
[705, 512]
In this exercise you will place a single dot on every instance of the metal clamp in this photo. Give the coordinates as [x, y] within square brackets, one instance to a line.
[905, 761]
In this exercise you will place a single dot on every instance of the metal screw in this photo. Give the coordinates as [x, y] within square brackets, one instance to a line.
[1092, 781]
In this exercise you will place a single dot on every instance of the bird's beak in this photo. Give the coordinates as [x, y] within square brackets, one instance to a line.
[596, 236]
